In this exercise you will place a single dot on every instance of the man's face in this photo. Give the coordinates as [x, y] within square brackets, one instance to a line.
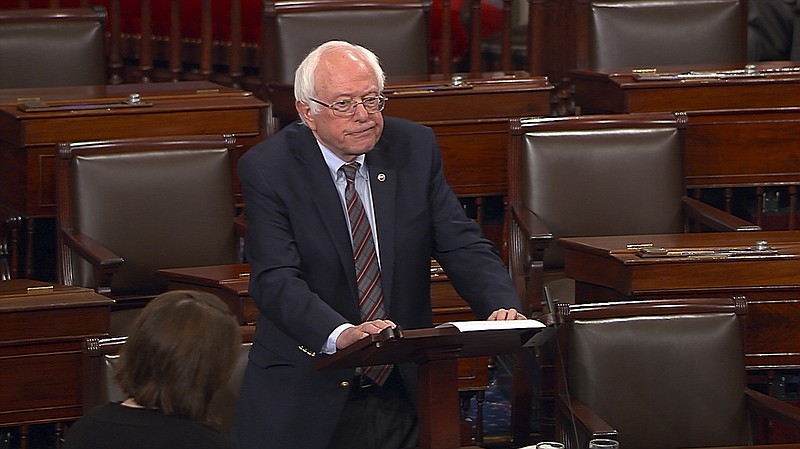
[342, 76]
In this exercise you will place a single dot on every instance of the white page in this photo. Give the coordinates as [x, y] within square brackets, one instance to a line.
[485, 325]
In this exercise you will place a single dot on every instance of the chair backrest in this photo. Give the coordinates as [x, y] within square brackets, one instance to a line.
[598, 175]
[100, 356]
[396, 30]
[156, 202]
[42, 47]
[646, 33]
[663, 373]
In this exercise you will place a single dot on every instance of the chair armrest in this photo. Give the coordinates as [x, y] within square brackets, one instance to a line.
[714, 218]
[105, 263]
[528, 239]
[88, 248]
[584, 418]
[772, 408]
[536, 233]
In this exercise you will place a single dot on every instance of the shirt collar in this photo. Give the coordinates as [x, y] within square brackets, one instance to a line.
[334, 162]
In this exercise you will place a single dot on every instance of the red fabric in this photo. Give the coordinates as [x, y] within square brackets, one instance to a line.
[491, 23]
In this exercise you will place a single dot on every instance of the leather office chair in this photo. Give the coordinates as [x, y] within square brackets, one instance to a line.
[100, 356]
[660, 374]
[610, 34]
[126, 208]
[595, 175]
[396, 30]
[41, 47]
[646, 33]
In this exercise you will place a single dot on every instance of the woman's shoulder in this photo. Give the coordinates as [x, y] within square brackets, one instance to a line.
[196, 435]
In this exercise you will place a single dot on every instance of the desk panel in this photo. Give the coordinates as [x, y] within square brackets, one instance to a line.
[41, 340]
[772, 84]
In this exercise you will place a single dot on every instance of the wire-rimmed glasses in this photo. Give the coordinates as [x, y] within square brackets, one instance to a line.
[347, 108]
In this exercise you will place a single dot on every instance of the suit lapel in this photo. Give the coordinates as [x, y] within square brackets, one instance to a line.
[326, 199]
[383, 183]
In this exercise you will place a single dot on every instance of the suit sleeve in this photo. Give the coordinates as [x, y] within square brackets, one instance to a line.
[471, 262]
[277, 282]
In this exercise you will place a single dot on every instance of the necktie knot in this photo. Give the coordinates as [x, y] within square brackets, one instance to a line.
[350, 171]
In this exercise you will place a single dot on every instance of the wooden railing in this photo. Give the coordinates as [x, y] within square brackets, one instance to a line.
[220, 41]
[745, 162]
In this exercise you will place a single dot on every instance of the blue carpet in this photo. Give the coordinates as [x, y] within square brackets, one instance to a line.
[496, 412]
[497, 403]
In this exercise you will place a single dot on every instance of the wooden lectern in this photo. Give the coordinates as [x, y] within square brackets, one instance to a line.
[436, 351]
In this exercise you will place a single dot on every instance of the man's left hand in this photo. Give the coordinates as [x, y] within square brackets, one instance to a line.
[506, 315]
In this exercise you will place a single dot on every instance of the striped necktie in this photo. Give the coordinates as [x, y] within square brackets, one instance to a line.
[368, 272]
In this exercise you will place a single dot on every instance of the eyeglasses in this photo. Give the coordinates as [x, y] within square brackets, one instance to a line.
[347, 108]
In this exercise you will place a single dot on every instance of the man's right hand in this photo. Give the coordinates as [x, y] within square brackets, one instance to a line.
[355, 333]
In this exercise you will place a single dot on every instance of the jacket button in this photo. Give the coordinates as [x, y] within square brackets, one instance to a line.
[345, 384]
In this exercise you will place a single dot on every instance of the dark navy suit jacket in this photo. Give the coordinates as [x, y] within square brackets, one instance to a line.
[303, 278]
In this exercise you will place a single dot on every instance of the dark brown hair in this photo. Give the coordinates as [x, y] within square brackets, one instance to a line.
[181, 350]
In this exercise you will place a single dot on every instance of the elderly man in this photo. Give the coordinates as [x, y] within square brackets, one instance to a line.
[345, 210]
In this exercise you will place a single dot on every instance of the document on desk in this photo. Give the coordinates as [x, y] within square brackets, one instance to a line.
[485, 325]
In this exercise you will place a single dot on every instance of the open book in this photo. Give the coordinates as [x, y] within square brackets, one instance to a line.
[485, 325]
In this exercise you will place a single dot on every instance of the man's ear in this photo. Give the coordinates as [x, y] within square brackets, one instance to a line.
[304, 111]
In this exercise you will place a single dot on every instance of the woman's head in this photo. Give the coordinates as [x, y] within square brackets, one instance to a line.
[180, 351]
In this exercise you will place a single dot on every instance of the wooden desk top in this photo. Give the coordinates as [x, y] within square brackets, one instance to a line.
[234, 277]
[94, 106]
[609, 262]
[118, 91]
[682, 88]
[503, 96]
[490, 95]
[42, 328]
[25, 295]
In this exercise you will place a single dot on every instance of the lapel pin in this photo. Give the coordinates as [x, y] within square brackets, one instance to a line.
[381, 177]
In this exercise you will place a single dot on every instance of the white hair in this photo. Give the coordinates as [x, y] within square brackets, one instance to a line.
[304, 82]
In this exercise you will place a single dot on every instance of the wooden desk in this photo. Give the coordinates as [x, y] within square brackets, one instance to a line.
[28, 139]
[619, 91]
[491, 95]
[604, 270]
[42, 327]
[229, 282]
